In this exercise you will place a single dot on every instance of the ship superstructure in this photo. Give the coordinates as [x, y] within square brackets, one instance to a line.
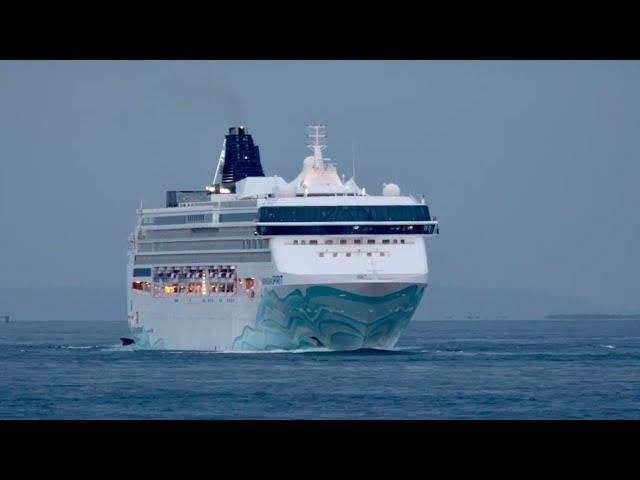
[257, 263]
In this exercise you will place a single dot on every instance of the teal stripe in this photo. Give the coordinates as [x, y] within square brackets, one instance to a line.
[337, 318]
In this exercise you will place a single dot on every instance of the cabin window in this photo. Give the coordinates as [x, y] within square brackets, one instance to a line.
[371, 240]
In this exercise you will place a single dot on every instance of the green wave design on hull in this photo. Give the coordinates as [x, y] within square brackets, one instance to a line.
[328, 317]
[143, 341]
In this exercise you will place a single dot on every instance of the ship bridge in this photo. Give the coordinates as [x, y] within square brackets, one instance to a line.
[336, 218]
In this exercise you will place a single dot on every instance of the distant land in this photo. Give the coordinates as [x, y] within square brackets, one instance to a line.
[448, 302]
[594, 316]
[440, 302]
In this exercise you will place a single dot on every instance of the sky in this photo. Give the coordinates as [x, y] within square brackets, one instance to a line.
[531, 167]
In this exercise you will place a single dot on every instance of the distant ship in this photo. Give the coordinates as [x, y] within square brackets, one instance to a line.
[257, 263]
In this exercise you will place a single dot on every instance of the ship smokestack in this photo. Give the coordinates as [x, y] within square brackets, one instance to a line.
[241, 158]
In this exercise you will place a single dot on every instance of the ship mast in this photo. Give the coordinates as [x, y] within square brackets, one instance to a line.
[317, 135]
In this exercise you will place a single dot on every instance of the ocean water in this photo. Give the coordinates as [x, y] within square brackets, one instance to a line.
[440, 370]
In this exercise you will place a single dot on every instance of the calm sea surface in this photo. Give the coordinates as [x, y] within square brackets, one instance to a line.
[440, 370]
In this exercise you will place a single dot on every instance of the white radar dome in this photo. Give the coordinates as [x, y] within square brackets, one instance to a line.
[391, 190]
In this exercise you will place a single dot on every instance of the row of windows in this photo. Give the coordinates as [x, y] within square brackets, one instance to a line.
[238, 217]
[355, 241]
[182, 233]
[178, 219]
[199, 218]
[186, 273]
[202, 280]
[191, 258]
[193, 288]
[346, 213]
[349, 254]
[204, 245]
[346, 230]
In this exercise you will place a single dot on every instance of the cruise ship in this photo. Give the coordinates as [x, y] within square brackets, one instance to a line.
[253, 262]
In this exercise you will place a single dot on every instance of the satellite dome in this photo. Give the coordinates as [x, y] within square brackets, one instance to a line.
[391, 190]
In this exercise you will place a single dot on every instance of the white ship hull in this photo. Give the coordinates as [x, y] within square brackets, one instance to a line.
[336, 317]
